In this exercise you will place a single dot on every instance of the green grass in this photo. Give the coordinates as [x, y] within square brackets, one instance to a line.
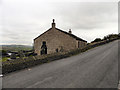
[16, 47]
[3, 59]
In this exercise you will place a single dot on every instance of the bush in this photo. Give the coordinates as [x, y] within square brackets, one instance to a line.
[4, 53]
[13, 56]
[97, 40]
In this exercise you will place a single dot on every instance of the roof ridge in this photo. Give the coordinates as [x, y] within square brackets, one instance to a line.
[74, 36]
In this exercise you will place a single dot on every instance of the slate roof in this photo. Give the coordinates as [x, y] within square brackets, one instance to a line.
[77, 38]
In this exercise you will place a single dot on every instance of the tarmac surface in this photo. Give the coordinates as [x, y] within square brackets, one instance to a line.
[95, 68]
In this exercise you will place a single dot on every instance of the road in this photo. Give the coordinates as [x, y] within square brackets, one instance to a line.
[95, 68]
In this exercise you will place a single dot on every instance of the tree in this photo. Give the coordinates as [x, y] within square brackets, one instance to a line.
[13, 56]
[4, 52]
[21, 54]
[97, 40]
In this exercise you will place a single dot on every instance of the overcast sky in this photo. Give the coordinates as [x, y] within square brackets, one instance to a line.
[24, 20]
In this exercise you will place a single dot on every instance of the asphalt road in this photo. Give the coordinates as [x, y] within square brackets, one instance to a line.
[95, 68]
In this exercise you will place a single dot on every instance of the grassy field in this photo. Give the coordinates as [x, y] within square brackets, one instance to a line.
[3, 59]
[16, 47]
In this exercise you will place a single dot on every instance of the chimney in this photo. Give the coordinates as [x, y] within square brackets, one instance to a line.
[53, 23]
[70, 31]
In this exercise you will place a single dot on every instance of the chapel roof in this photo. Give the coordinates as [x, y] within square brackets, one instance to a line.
[53, 26]
[72, 35]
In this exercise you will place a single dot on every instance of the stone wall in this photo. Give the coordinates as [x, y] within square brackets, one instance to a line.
[81, 44]
[56, 41]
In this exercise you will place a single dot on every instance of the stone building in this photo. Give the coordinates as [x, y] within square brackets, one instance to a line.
[56, 40]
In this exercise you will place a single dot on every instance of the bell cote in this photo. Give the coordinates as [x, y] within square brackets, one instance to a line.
[70, 31]
[53, 23]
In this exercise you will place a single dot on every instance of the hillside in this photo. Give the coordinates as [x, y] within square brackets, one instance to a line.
[16, 47]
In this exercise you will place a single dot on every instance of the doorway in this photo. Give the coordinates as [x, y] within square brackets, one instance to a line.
[43, 48]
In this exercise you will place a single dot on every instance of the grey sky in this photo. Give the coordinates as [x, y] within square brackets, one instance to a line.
[23, 20]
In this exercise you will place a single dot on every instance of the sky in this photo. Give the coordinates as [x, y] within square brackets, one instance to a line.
[24, 20]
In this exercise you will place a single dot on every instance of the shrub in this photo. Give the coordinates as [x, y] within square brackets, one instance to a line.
[97, 40]
[13, 56]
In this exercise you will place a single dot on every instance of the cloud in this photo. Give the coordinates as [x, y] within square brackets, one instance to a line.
[87, 15]
[23, 20]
